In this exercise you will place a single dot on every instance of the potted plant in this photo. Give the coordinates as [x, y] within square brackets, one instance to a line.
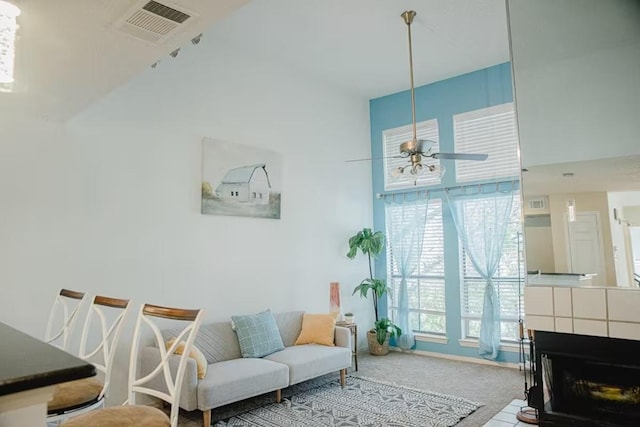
[348, 317]
[371, 244]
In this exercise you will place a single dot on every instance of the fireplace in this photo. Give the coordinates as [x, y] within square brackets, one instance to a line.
[587, 381]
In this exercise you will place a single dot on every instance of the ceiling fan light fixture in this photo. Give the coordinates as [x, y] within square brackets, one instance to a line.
[439, 169]
[415, 149]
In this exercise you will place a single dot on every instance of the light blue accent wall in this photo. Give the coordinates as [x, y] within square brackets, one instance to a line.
[440, 100]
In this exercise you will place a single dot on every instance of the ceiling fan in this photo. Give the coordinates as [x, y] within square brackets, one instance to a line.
[416, 150]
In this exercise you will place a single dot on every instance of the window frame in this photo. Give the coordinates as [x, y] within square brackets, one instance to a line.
[500, 119]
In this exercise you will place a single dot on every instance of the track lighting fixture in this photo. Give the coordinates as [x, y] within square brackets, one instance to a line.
[196, 39]
[175, 53]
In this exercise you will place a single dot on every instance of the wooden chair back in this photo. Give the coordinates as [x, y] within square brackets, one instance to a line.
[148, 317]
[101, 349]
[63, 317]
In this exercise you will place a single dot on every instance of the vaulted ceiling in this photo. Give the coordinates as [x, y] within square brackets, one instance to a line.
[70, 53]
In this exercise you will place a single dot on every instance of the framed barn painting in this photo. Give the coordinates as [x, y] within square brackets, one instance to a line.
[240, 180]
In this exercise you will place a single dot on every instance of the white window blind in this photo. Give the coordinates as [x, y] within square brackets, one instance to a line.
[508, 282]
[425, 286]
[391, 139]
[489, 131]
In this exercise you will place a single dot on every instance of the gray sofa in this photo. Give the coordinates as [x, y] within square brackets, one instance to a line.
[231, 378]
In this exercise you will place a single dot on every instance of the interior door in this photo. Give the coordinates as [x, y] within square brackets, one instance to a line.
[586, 253]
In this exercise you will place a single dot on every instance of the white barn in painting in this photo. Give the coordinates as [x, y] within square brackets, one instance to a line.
[246, 184]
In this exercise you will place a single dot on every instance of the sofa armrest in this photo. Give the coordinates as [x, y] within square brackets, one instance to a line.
[342, 337]
[188, 395]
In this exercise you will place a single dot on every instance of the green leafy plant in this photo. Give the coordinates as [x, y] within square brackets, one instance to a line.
[371, 244]
[384, 326]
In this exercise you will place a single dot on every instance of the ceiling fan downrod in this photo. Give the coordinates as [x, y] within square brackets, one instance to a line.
[408, 19]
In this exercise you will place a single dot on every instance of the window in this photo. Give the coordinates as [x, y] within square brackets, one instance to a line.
[509, 284]
[426, 286]
[391, 140]
[489, 131]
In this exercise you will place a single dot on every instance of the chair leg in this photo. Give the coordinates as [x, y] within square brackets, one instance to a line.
[278, 395]
[206, 418]
[343, 377]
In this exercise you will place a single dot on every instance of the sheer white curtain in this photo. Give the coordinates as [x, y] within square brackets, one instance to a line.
[482, 221]
[405, 233]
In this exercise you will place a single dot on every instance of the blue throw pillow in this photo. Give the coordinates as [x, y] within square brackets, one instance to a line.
[258, 334]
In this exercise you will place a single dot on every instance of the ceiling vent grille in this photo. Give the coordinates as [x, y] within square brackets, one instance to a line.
[152, 21]
[537, 205]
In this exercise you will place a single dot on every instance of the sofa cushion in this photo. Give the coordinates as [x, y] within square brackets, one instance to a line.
[217, 341]
[311, 360]
[290, 325]
[258, 334]
[317, 329]
[239, 379]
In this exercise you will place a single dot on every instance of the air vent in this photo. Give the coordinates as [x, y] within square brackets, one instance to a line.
[536, 204]
[166, 12]
[153, 22]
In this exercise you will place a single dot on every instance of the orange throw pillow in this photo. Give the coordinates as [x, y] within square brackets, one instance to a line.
[317, 329]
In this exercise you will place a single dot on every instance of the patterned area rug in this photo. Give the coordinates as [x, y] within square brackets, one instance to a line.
[363, 402]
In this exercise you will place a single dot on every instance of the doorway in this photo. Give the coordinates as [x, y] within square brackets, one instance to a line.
[585, 249]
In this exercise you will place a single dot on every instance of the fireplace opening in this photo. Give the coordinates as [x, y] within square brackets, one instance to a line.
[599, 391]
[587, 381]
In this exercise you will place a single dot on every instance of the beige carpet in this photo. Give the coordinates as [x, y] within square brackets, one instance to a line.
[493, 386]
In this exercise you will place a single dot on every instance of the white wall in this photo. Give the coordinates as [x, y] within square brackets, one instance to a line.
[110, 202]
[576, 77]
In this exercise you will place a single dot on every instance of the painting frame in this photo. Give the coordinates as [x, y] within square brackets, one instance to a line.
[240, 180]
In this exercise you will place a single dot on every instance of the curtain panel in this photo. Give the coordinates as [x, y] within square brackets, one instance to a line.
[405, 235]
[482, 221]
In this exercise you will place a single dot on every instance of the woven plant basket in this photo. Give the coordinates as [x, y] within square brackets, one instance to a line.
[375, 348]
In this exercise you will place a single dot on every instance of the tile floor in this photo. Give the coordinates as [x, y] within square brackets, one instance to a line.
[507, 417]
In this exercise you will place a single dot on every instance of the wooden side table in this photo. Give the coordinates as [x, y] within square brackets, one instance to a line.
[353, 327]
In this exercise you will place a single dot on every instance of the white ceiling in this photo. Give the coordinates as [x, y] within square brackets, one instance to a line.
[612, 174]
[69, 54]
[362, 46]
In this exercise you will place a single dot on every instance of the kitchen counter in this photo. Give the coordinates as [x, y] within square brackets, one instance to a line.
[571, 279]
[29, 368]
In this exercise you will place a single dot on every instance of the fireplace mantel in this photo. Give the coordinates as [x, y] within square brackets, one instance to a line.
[586, 310]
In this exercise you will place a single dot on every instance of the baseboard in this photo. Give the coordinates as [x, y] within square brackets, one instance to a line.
[459, 358]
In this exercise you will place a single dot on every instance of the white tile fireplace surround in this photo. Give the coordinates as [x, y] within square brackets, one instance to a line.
[585, 310]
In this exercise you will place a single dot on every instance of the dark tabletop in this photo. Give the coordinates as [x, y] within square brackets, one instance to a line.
[27, 363]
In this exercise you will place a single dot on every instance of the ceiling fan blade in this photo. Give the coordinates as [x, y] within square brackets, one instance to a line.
[375, 158]
[460, 156]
